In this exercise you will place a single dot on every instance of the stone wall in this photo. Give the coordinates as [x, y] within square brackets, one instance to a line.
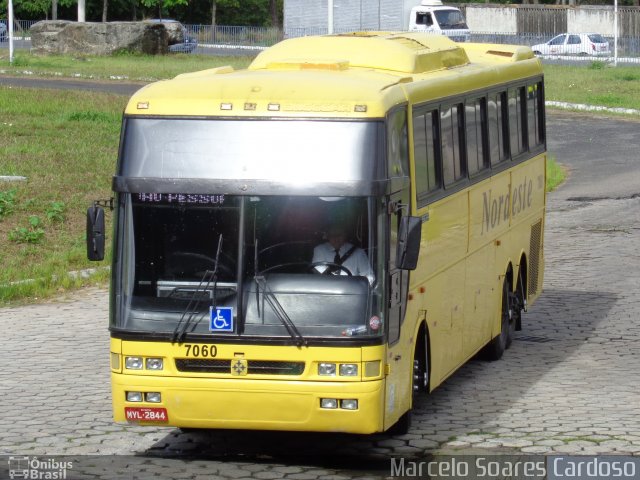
[65, 37]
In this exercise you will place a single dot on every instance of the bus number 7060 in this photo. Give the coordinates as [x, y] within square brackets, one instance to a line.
[201, 350]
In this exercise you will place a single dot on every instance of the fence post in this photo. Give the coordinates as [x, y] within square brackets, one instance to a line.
[615, 33]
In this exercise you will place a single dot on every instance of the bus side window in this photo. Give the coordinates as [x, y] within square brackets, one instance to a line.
[425, 140]
[517, 134]
[535, 120]
[397, 144]
[498, 144]
[452, 135]
[476, 124]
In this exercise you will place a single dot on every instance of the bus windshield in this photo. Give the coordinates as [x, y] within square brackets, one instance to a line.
[262, 258]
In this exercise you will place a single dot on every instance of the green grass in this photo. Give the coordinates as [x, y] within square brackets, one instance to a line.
[594, 85]
[556, 174]
[128, 67]
[65, 143]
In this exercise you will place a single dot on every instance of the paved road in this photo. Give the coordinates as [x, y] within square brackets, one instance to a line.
[569, 384]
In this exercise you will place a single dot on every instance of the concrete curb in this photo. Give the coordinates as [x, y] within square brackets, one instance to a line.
[591, 108]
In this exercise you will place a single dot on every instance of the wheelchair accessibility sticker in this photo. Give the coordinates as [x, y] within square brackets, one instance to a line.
[221, 319]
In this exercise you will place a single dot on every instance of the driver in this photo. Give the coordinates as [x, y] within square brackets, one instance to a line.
[336, 252]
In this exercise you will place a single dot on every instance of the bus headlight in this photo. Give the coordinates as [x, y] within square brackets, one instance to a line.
[327, 369]
[152, 397]
[349, 369]
[154, 364]
[133, 363]
[134, 396]
[328, 403]
[349, 404]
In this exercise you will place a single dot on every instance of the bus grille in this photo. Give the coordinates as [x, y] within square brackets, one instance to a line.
[209, 366]
[255, 367]
[534, 257]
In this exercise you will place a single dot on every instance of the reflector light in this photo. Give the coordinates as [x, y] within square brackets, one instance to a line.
[143, 105]
[273, 107]
[226, 106]
[360, 108]
[372, 369]
[115, 361]
[249, 106]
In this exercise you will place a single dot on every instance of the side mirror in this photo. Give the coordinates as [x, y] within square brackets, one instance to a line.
[95, 233]
[409, 237]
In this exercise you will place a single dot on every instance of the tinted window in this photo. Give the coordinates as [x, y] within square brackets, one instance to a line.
[452, 135]
[516, 132]
[425, 134]
[574, 40]
[397, 144]
[475, 116]
[535, 120]
[498, 144]
[597, 38]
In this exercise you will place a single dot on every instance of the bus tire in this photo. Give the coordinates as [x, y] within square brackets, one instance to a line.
[403, 425]
[419, 381]
[421, 363]
[496, 347]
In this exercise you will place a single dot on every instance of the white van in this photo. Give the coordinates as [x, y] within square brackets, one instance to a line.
[433, 16]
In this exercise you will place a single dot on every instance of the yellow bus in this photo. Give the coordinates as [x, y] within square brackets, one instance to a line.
[424, 157]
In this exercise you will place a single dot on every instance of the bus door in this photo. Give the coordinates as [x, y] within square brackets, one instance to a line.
[398, 385]
[398, 362]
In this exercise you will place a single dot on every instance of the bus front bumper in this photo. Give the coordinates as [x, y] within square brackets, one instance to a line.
[250, 404]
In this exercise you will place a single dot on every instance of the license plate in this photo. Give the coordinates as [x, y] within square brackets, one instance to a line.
[146, 414]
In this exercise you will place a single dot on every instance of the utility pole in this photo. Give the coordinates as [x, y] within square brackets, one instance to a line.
[330, 17]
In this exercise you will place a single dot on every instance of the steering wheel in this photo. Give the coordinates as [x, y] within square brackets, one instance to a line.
[331, 267]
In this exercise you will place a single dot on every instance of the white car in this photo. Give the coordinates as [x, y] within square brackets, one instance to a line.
[574, 44]
[3, 32]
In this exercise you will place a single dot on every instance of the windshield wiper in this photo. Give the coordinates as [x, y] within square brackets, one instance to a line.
[280, 312]
[273, 302]
[191, 311]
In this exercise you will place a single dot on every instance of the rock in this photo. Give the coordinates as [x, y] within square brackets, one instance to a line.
[63, 37]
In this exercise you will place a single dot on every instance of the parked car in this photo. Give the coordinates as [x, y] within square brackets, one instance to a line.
[3, 32]
[574, 44]
[188, 44]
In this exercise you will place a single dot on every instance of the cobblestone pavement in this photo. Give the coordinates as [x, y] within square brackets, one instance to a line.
[569, 384]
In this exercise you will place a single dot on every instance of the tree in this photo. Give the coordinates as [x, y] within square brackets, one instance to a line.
[162, 4]
[221, 3]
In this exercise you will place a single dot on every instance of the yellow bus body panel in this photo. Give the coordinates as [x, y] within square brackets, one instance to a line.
[468, 242]
[271, 402]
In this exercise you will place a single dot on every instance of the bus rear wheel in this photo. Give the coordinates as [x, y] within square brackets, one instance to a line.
[496, 347]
